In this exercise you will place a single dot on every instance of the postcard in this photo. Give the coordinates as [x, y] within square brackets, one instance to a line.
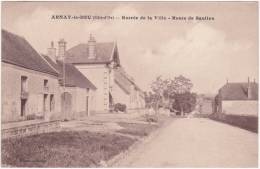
[129, 84]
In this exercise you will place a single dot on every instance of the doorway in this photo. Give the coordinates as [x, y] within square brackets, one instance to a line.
[23, 107]
[45, 102]
[52, 103]
[66, 105]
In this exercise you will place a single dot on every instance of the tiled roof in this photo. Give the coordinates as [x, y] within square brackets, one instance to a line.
[238, 91]
[124, 80]
[79, 53]
[73, 77]
[16, 50]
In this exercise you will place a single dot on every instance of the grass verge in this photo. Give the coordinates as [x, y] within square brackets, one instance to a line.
[136, 129]
[246, 122]
[63, 149]
[143, 129]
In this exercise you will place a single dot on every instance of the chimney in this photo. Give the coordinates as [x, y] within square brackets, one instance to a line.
[62, 49]
[249, 92]
[91, 47]
[52, 52]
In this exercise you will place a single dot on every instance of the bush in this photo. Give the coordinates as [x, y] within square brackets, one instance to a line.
[120, 107]
[151, 118]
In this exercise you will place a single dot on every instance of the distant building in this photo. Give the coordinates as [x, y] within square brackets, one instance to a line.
[100, 63]
[30, 86]
[204, 104]
[237, 98]
[76, 91]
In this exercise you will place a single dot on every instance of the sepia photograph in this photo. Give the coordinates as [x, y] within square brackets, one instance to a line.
[129, 84]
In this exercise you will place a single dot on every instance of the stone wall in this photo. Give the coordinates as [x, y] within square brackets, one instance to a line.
[31, 129]
[11, 93]
[98, 74]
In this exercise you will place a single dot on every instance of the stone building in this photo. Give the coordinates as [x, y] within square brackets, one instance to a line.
[30, 87]
[76, 91]
[100, 63]
[237, 98]
[124, 90]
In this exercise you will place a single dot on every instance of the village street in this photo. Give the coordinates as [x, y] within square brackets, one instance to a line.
[196, 142]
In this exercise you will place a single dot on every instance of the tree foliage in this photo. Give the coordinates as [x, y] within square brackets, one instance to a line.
[184, 102]
[171, 93]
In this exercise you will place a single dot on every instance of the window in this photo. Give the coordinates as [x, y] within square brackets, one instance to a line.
[45, 83]
[45, 86]
[24, 84]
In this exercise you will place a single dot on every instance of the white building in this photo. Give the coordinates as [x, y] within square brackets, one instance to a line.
[100, 63]
[30, 88]
[237, 99]
[76, 91]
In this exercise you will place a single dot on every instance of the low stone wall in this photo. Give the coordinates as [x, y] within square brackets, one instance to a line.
[31, 129]
[246, 122]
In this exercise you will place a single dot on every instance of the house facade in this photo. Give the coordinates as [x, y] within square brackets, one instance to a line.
[30, 86]
[101, 64]
[76, 91]
[237, 99]
[126, 91]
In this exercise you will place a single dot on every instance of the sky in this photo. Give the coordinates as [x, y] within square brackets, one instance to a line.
[207, 52]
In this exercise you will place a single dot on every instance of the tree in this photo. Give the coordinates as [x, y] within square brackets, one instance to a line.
[184, 102]
[172, 92]
[182, 84]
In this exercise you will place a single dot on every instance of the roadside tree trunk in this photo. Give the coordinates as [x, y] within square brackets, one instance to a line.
[182, 113]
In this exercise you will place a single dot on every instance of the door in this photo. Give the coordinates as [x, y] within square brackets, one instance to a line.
[45, 102]
[52, 102]
[66, 105]
[23, 107]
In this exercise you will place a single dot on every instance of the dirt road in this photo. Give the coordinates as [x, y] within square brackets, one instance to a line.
[194, 142]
